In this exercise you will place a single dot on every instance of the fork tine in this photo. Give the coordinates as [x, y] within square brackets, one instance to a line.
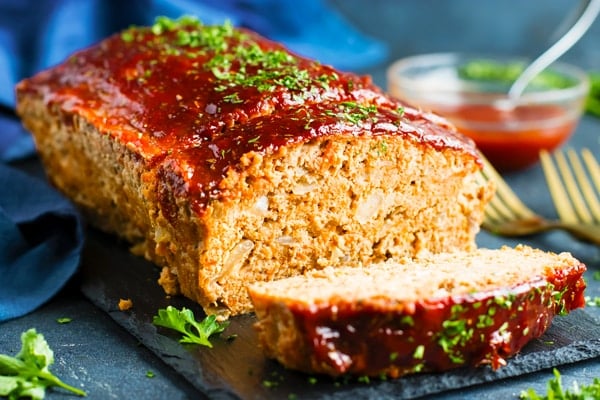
[561, 201]
[588, 190]
[505, 204]
[592, 165]
[571, 184]
[568, 199]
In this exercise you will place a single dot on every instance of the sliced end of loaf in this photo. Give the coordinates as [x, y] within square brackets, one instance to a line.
[226, 181]
[431, 314]
[329, 202]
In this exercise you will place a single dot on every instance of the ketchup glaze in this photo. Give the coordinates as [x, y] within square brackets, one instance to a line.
[191, 99]
[433, 335]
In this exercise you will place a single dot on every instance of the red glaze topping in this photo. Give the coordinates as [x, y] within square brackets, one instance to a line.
[436, 335]
[197, 171]
[220, 92]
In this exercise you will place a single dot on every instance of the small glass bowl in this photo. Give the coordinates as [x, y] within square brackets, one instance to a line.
[471, 92]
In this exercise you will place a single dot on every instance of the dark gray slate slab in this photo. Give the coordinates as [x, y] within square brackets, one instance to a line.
[237, 368]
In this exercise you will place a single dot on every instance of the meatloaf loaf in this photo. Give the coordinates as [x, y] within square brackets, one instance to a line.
[226, 159]
[432, 314]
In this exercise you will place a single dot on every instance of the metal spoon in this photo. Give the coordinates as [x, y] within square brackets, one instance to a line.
[589, 9]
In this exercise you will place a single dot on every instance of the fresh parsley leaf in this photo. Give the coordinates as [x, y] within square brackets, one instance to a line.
[28, 373]
[555, 391]
[184, 322]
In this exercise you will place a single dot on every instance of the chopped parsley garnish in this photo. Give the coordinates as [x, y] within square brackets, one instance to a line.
[164, 24]
[234, 57]
[419, 352]
[354, 112]
[408, 320]
[127, 36]
[233, 98]
[455, 334]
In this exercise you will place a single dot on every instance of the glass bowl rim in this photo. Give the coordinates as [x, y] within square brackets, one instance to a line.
[395, 79]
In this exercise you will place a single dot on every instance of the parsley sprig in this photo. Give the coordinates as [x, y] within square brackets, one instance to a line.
[555, 391]
[28, 373]
[184, 322]
[354, 112]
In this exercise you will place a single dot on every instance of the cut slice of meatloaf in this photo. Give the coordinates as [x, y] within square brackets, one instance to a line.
[226, 159]
[430, 314]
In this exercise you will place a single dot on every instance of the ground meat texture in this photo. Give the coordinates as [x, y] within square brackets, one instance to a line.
[430, 314]
[226, 159]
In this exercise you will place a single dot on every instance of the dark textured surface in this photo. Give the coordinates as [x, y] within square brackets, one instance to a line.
[98, 352]
[237, 369]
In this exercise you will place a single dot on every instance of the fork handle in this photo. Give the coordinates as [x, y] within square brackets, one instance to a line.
[586, 232]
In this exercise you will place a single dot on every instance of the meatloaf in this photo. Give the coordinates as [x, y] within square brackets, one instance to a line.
[226, 159]
[431, 314]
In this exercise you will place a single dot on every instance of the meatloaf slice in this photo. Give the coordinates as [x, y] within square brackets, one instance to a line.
[226, 159]
[431, 314]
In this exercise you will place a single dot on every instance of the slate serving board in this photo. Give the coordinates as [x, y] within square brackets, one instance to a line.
[237, 369]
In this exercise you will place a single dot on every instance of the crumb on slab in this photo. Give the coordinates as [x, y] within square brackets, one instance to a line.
[125, 304]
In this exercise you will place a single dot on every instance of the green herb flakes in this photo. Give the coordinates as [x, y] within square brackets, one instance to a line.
[127, 36]
[419, 352]
[407, 320]
[63, 320]
[270, 384]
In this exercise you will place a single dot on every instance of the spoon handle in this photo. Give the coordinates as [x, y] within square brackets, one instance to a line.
[590, 10]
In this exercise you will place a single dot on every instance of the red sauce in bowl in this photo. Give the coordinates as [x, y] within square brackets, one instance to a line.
[512, 139]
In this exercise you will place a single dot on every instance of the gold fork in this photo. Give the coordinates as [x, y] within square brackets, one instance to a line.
[507, 215]
[572, 188]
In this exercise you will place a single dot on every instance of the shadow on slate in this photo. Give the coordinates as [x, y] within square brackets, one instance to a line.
[237, 368]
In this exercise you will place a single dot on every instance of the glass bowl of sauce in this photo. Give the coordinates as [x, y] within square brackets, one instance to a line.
[471, 92]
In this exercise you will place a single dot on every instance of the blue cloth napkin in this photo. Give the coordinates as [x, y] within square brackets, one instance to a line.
[41, 237]
[41, 234]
